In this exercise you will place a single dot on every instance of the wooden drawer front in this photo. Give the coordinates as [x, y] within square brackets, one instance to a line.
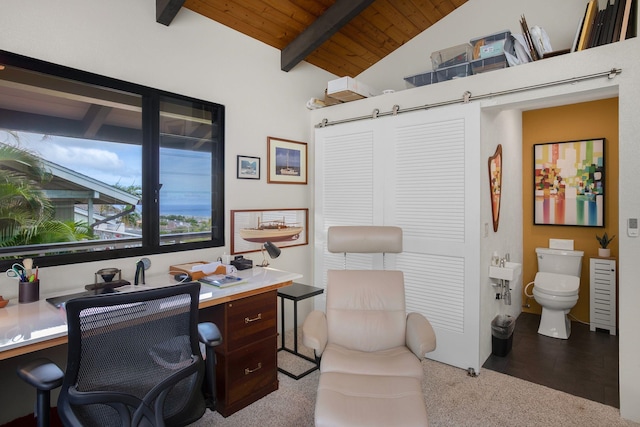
[251, 319]
[251, 369]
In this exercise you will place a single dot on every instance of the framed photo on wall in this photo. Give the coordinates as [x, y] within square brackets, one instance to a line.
[248, 167]
[286, 161]
[282, 227]
[569, 183]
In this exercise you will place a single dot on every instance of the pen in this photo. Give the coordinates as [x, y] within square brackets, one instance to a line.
[36, 278]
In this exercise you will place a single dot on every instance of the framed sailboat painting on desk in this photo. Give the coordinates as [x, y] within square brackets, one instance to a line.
[287, 161]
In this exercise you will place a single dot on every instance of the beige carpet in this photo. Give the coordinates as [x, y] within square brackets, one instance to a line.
[452, 398]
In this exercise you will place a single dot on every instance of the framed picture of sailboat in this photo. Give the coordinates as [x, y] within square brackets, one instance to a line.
[250, 229]
[248, 167]
[287, 161]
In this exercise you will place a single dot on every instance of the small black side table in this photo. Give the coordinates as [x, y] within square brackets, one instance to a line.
[295, 292]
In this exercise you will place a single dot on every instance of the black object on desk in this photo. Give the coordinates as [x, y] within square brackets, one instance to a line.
[295, 292]
[59, 302]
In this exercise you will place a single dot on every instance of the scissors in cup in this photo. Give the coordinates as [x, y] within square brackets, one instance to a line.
[17, 271]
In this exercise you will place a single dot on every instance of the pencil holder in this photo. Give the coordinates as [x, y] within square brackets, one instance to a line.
[29, 291]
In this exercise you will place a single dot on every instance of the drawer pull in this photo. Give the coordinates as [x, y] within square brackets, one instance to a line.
[248, 371]
[258, 317]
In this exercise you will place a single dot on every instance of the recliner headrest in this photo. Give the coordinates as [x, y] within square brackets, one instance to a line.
[364, 239]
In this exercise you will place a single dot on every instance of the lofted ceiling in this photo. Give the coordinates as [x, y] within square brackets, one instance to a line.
[343, 37]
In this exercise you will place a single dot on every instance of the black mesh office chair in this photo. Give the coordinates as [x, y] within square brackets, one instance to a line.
[133, 359]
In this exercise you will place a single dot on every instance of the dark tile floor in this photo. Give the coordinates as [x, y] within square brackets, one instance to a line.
[585, 365]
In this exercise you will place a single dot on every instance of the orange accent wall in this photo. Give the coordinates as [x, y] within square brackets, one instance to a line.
[589, 120]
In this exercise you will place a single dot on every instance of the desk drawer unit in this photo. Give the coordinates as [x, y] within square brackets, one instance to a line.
[250, 369]
[246, 368]
[602, 310]
[250, 319]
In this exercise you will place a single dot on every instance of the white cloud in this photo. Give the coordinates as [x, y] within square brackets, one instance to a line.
[108, 162]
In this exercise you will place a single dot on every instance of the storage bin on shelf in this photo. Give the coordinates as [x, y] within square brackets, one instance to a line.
[421, 79]
[489, 46]
[454, 55]
[488, 52]
[454, 72]
[480, 66]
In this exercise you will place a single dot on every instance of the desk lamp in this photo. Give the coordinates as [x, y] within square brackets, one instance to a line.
[272, 250]
[141, 266]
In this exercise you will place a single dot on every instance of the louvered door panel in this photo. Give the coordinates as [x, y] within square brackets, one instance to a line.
[344, 194]
[434, 286]
[430, 180]
[348, 179]
[424, 169]
[436, 203]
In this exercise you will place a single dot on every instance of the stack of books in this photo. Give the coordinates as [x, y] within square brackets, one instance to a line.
[602, 26]
[221, 280]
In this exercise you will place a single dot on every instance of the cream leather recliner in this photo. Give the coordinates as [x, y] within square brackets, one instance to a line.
[370, 349]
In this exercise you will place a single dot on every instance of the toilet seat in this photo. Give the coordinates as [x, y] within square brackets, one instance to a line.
[554, 297]
[555, 302]
[556, 284]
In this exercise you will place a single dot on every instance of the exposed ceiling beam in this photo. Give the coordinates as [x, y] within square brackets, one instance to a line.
[321, 30]
[94, 119]
[166, 10]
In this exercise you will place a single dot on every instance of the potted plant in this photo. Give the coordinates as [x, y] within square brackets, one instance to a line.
[604, 241]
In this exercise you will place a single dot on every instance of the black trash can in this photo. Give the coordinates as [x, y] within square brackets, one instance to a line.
[502, 327]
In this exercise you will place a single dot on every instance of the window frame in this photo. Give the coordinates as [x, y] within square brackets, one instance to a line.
[150, 98]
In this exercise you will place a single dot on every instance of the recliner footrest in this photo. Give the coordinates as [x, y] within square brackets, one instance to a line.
[369, 400]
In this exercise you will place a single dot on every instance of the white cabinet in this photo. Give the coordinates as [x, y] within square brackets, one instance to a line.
[602, 273]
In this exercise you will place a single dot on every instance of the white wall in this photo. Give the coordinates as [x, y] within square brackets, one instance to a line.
[503, 123]
[504, 127]
[196, 57]
[474, 19]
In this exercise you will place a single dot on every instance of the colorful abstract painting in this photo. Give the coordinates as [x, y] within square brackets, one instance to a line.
[569, 183]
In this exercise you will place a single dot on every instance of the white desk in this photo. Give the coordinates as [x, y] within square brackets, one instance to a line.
[34, 326]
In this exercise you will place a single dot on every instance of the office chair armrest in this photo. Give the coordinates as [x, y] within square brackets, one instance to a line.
[314, 331]
[41, 373]
[209, 334]
[420, 337]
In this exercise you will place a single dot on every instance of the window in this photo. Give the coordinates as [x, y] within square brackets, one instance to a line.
[94, 168]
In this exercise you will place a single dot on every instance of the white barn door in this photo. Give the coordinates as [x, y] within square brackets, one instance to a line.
[421, 172]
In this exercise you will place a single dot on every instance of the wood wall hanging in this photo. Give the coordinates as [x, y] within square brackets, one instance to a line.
[495, 184]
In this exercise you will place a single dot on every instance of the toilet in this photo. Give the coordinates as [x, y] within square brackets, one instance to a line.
[556, 288]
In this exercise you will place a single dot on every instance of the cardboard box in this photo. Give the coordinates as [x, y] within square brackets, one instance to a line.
[329, 100]
[187, 268]
[347, 89]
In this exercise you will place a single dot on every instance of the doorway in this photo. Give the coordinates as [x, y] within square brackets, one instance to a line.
[585, 365]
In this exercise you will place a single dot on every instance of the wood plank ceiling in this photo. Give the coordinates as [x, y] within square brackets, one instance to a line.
[382, 27]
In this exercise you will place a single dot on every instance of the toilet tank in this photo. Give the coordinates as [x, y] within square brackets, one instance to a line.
[560, 261]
